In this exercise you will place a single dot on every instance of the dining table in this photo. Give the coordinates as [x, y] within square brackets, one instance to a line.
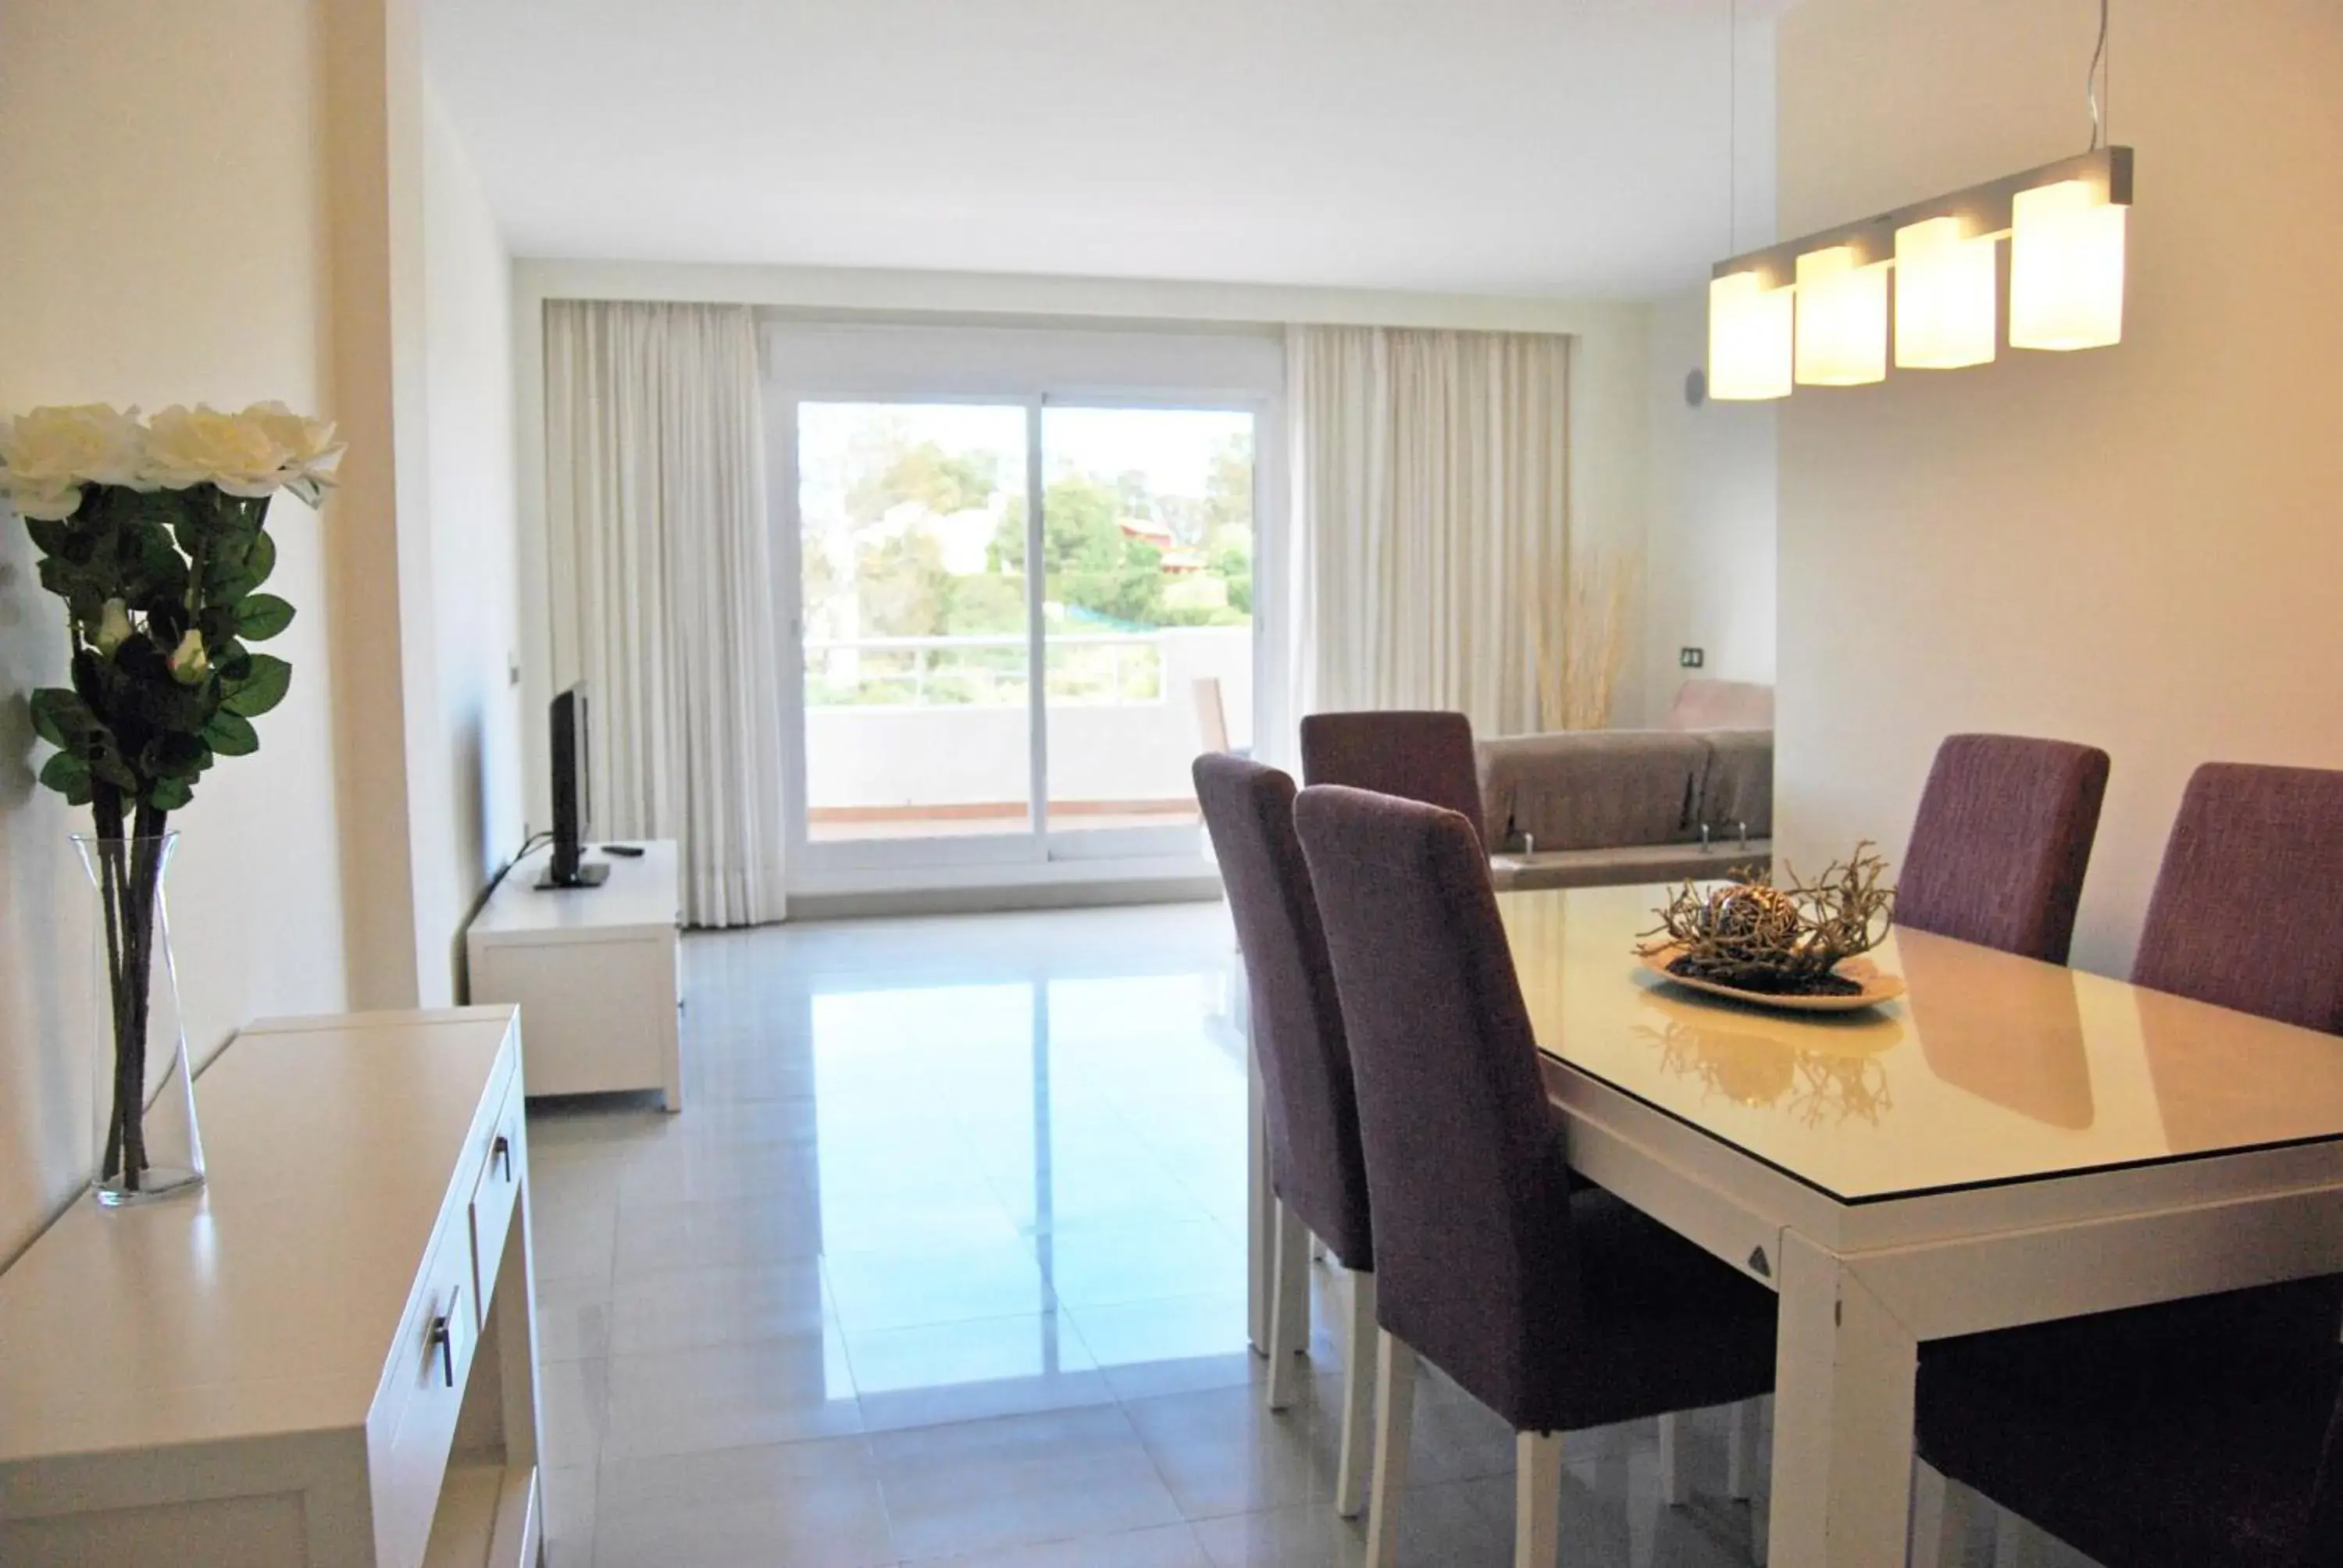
[2006, 1143]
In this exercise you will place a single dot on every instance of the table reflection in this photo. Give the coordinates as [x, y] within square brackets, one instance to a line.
[2017, 1041]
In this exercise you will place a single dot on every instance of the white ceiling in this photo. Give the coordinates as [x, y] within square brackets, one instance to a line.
[1574, 148]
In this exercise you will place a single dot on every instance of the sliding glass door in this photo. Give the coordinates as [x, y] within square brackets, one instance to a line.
[944, 549]
[918, 690]
[1146, 524]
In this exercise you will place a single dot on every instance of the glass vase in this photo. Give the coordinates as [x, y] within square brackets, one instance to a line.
[147, 1145]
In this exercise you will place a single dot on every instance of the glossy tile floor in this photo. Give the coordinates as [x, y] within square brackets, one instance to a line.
[944, 1260]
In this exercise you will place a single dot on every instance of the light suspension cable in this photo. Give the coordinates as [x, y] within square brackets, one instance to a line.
[2095, 83]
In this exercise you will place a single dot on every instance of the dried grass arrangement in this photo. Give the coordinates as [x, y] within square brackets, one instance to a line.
[1582, 640]
[1778, 942]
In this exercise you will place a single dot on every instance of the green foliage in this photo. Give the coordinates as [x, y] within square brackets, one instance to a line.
[944, 482]
[147, 577]
[1087, 559]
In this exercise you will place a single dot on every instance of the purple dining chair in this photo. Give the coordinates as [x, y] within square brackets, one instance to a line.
[2001, 842]
[1416, 755]
[1316, 1169]
[2247, 911]
[2206, 1430]
[1559, 1308]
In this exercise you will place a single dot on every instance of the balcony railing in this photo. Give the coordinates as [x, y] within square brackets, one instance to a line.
[1114, 669]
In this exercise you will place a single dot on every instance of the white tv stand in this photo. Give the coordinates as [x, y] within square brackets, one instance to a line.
[595, 971]
[325, 1360]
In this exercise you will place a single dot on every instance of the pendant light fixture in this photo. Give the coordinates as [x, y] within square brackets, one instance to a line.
[1749, 311]
[1816, 311]
[1948, 296]
[1748, 338]
[1842, 336]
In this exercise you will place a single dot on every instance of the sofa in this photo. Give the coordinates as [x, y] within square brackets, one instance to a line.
[1605, 807]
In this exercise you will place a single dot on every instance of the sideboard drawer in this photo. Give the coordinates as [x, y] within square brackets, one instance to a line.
[493, 1201]
[428, 1369]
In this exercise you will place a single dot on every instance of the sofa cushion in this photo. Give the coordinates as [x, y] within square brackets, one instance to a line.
[1594, 788]
[1704, 704]
[1737, 788]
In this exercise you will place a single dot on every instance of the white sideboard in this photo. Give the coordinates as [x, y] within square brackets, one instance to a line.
[595, 971]
[327, 1359]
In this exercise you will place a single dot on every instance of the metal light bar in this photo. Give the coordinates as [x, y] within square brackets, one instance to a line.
[1981, 209]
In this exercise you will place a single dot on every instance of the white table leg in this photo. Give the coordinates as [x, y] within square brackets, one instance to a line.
[1259, 1208]
[1844, 1377]
[1676, 1476]
[1741, 1451]
[1940, 1519]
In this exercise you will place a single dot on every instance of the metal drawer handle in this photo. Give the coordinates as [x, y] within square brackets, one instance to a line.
[501, 1150]
[443, 1338]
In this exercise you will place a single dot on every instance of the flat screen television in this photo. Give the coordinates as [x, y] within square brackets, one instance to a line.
[573, 799]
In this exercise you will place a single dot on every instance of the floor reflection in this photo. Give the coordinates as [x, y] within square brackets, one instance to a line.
[945, 1256]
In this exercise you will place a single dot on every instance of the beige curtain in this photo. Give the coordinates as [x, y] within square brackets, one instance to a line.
[1431, 516]
[661, 565]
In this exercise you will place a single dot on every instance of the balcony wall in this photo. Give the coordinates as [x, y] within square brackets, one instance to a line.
[900, 754]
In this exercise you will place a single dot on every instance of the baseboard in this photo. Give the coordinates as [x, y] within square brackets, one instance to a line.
[997, 899]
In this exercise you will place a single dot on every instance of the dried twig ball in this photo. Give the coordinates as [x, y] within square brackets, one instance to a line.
[1753, 912]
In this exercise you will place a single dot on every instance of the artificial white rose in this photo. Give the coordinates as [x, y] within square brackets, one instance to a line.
[185, 447]
[114, 628]
[47, 454]
[41, 503]
[312, 455]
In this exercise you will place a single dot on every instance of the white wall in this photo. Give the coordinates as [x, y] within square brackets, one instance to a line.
[1710, 544]
[2136, 546]
[167, 242]
[466, 788]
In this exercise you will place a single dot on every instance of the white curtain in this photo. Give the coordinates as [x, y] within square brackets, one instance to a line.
[1431, 517]
[661, 567]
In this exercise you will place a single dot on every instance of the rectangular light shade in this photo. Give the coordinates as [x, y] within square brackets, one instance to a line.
[1945, 297]
[2066, 268]
[1748, 338]
[1841, 335]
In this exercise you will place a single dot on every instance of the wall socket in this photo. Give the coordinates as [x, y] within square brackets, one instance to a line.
[1691, 657]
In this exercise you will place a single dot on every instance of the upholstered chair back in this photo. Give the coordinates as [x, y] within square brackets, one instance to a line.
[1417, 756]
[1476, 1264]
[2247, 910]
[1315, 1161]
[2001, 843]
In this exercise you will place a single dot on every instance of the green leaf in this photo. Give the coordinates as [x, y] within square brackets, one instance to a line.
[51, 539]
[232, 734]
[262, 616]
[262, 688]
[259, 561]
[68, 775]
[170, 794]
[60, 716]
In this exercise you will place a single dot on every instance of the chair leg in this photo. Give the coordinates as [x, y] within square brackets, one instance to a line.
[1289, 1287]
[1741, 1451]
[1538, 1499]
[1395, 1414]
[1358, 1390]
[1676, 1479]
[1940, 1519]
